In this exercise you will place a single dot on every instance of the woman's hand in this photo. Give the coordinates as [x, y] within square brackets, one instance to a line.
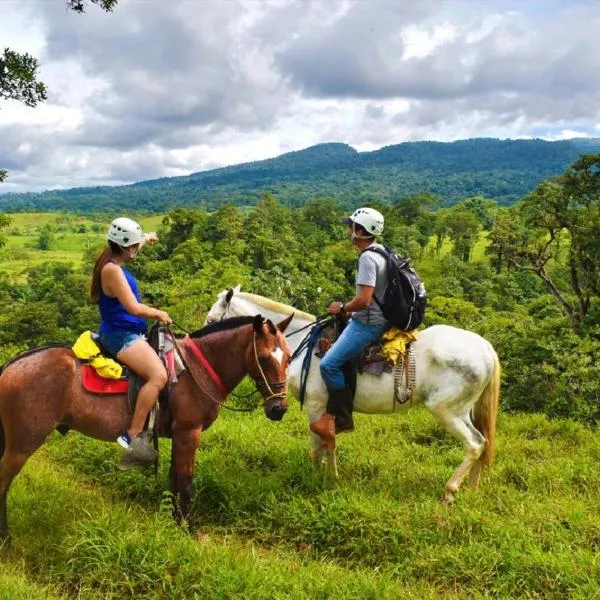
[151, 237]
[163, 317]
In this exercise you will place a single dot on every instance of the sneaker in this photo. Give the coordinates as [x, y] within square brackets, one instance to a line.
[124, 440]
[140, 453]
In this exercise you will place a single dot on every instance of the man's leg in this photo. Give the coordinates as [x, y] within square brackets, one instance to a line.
[354, 339]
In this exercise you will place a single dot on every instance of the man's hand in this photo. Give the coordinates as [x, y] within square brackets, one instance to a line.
[335, 308]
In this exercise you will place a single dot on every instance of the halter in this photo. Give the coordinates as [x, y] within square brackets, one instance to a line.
[264, 379]
[195, 348]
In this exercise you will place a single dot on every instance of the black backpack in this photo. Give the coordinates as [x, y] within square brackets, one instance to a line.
[405, 300]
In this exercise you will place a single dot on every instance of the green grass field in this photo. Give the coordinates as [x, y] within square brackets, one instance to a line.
[271, 528]
[21, 253]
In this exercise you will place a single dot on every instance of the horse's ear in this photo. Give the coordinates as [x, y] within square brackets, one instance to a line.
[229, 295]
[258, 323]
[282, 326]
[237, 288]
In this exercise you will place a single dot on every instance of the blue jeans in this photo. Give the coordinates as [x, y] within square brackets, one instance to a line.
[354, 339]
[118, 340]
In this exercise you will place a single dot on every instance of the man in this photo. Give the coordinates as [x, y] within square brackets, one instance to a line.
[367, 322]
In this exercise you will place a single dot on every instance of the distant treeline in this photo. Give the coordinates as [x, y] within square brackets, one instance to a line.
[503, 170]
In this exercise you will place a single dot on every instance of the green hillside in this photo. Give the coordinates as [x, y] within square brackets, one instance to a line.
[503, 170]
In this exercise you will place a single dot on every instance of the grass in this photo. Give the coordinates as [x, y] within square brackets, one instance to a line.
[20, 252]
[271, 528]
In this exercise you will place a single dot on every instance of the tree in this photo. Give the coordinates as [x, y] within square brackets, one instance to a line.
[555, 233]
[45, 239]
[18, 72]
[4, 222]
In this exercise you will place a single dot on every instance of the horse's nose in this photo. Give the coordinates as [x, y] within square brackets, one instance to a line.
[276, 411]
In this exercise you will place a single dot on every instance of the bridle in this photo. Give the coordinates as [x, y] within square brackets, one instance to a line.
[267, 384]
[263, 383]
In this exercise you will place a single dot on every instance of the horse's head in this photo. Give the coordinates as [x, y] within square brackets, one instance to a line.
[268, 361]
[222, 308]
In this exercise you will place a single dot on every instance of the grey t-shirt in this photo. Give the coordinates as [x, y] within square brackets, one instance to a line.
[372, 271]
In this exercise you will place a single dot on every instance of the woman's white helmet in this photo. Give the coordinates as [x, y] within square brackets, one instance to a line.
[368, 218]
[125, 232]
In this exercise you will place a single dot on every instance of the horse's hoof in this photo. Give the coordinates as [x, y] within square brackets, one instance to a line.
[448, 498]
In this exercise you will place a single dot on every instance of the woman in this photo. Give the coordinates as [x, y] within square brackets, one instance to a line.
[123, 325]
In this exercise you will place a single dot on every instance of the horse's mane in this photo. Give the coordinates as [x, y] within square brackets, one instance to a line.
[276, 306]
[223, 325]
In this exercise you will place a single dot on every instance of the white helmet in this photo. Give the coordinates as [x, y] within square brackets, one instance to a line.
[125, 232]
[369, 218]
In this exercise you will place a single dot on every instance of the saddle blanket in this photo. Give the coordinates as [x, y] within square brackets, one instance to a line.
[92, 382]
[95, 383]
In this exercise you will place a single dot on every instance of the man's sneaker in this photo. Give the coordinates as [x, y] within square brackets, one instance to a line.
[124, 440]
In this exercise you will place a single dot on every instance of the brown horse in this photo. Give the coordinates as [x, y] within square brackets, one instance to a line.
[42, 390]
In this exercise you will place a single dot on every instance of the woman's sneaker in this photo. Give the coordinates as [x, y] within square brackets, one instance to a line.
[140, 453]
[124, 440]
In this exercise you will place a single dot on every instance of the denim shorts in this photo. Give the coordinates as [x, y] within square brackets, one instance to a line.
[117, 341]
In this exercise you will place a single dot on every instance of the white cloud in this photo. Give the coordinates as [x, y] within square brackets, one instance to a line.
[158, 89]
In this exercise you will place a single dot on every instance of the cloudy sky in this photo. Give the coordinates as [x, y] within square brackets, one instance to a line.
[168, 87]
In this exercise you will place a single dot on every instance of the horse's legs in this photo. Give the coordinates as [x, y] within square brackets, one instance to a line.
[323, 445]
[183, 466]
[10, 465]
[461, 428]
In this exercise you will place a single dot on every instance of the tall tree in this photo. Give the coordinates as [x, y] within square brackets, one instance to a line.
[555, 233]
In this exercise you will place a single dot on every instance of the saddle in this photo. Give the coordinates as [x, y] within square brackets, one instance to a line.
[102, 372]
[391, 353]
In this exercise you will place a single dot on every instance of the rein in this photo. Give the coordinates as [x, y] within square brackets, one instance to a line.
[318, 320]
[217, 380]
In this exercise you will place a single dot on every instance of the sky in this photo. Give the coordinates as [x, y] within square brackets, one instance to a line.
[162, 88]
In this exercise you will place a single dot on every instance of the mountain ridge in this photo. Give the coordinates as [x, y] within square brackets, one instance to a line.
[503, 170]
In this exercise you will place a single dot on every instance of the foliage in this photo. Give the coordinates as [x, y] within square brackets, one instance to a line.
[302, 256]
[18, 78]
[558, 225]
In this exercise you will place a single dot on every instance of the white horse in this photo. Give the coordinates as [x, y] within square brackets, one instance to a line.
[457, 379]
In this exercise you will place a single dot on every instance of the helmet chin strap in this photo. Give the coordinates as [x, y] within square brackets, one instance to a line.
[130, 252]
[355, 236]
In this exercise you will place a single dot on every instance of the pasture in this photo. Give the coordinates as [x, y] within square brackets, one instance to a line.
[271, 528]
[71, 237]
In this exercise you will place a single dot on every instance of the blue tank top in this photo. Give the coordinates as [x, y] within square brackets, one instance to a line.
[115, 316]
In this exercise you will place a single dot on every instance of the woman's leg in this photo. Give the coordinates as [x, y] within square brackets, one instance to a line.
[141, 358]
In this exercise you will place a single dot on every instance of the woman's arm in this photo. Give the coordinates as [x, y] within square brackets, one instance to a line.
[115, 284]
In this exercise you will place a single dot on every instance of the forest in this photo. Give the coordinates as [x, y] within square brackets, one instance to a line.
[503, 170]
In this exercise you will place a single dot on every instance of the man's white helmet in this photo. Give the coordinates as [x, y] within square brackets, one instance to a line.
[369, 218]
[125, 232]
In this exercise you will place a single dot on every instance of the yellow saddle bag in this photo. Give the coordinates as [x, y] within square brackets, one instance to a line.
[86, 349]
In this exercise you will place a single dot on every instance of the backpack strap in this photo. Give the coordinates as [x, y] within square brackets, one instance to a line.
[385, 252]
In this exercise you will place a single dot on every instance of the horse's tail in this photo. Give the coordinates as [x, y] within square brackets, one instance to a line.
[485, 413]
